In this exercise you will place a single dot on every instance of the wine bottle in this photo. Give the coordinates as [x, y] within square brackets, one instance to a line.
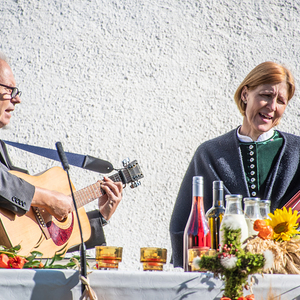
[196, 234]
[215, 214]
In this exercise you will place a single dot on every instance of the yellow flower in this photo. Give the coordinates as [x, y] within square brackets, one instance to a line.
[284, 224]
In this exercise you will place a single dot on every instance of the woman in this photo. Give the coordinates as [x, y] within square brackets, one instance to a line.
[253, 160]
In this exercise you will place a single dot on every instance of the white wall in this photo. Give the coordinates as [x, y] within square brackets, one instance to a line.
[149, 80]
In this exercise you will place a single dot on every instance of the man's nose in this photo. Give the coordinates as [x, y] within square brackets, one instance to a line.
[16, 99]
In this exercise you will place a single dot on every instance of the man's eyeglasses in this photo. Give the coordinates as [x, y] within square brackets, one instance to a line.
[14, 91]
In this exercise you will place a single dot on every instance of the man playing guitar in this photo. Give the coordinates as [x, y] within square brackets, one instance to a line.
[18, 196]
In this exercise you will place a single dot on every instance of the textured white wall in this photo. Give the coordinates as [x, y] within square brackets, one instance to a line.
[149, 80]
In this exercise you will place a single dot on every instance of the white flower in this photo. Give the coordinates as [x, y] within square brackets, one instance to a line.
[230, 223]
[196, 262]
[228, 262]
[269, 259]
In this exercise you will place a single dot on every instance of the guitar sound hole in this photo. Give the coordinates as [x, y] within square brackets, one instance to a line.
[63, 220]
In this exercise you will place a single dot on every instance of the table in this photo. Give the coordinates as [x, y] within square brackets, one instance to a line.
[119, 285]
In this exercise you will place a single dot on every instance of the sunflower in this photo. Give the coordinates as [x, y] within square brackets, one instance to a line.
[284, 224]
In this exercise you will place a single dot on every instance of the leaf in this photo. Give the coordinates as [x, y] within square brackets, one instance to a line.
[36, 253]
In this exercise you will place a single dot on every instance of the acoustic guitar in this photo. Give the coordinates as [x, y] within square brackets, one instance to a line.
[37, 230]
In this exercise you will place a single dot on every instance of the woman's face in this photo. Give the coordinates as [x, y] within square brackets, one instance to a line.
[264, 107]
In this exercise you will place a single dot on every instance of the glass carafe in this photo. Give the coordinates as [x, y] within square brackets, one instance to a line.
[234, 215]
[252, 213]
[264, 208]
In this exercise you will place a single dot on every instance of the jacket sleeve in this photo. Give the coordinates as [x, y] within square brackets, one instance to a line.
[97, 237]
[15, 193]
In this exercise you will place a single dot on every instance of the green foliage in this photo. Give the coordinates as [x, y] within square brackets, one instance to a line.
[232, 237]
[10, 252]
[34, 260]
[235, 275]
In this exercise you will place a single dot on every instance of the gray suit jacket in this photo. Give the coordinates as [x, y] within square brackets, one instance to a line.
[221, 159]
[15, 193]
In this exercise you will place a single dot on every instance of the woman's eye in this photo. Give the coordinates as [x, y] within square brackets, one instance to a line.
[266, 95]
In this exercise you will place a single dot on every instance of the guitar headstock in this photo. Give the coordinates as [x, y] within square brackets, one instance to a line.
[131, 173]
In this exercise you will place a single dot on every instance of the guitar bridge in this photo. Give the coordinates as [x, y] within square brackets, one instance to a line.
[41, 222]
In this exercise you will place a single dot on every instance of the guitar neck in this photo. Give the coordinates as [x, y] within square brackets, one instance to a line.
[93, 192]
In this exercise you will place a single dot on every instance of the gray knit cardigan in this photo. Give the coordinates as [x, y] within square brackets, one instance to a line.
[221, 159]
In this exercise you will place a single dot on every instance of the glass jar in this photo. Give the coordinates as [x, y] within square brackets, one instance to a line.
[252, 213]
[234, 215]
[264, 208]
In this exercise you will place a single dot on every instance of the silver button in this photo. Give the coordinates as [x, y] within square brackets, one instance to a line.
[252, 173]
[252, 179]
[251, 147]
[253, 194]
[251, 153]
[252, 166]
[253, 186]
[251, 159]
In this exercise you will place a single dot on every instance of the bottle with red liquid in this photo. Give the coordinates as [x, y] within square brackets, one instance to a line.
[196, 234]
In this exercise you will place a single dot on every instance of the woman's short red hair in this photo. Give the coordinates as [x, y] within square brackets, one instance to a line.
[265, 73]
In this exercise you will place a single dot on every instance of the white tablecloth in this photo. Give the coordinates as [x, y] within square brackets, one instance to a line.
[116, 285]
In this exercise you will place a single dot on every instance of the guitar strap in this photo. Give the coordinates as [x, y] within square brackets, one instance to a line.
[82, 161]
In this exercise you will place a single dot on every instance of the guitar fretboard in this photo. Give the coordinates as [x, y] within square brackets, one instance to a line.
[94, 191]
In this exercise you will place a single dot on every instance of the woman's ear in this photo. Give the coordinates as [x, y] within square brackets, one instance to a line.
[244, 94]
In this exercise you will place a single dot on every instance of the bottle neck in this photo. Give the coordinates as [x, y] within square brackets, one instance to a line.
[218, 196]
[198, 190]
[234, 207]
[198, 201]
[198, 194]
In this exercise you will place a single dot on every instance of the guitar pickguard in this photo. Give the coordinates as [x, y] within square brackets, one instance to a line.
[60, 235]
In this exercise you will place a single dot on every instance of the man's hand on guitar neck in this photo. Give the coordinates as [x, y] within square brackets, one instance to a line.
[55, 203]
[109, 202]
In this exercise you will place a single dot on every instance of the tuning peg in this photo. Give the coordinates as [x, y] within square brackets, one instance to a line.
[126, 161]
[135, 184]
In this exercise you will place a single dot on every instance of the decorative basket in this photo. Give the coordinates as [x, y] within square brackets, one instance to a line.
[287, 253]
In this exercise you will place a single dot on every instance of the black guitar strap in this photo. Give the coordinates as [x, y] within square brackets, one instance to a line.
[82, 161]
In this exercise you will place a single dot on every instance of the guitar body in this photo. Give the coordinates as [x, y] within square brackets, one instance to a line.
[37, 230]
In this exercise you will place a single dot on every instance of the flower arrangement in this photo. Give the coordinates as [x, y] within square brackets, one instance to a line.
[278, 234]
[277, 237]
[9, 259]
[281, 226]
[233, 264]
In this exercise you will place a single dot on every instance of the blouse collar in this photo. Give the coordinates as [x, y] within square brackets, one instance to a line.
[247, 139]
